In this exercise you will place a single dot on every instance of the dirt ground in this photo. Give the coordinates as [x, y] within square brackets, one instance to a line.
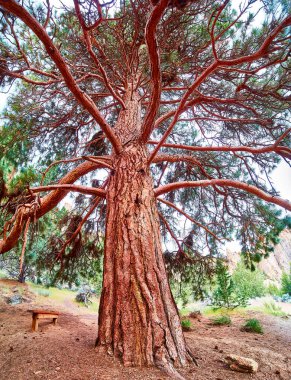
[66, 351]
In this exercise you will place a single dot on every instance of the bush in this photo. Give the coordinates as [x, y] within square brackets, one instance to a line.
[249, 284]
[221, 320]
[273, 309]
[225, 294]
[286, 283]
[273, 290]
[253, 325]
[186, 324]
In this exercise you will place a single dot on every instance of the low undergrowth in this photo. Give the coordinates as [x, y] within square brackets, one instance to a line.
[221, 320]
[253, 326]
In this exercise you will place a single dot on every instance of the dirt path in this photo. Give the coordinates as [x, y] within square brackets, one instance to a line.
[66, 351]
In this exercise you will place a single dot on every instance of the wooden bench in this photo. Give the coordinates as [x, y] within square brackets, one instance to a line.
[43, 314]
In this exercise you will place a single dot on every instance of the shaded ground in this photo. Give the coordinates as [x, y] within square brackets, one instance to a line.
[66, 351]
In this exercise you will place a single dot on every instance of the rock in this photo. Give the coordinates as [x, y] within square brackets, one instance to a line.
[241, 364]
[14, 300]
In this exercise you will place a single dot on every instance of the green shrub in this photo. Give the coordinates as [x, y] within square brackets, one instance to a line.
[221, 320]
[225, 294]
[273, 309]
[186, 324]
[273, 290]
[286, 283]
[253, 325]
[249, 284]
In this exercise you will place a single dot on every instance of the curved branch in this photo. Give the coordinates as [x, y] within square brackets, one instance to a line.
[20, 12]
[153, 53]
[78, 188]
[267, 149]
[225, 182]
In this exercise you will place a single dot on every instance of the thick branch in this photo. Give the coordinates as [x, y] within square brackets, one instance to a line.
[78, 188]
[153, 52]
[225, 182]
[266, 149]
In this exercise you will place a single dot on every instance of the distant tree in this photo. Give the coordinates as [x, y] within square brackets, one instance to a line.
[286, 282]
[226, 294]
[183, 104]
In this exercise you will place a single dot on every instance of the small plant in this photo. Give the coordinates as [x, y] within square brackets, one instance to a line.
[221, 320]
[253, 325]
[186, 324]
[273, 309]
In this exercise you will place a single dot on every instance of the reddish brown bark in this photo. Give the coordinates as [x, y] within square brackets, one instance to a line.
[138, 318]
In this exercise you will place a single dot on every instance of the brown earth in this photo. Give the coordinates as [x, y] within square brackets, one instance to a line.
[66, 351]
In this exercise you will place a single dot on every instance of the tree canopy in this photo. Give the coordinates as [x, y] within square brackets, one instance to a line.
[213, 88]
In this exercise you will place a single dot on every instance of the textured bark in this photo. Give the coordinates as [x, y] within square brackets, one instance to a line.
[138, 318]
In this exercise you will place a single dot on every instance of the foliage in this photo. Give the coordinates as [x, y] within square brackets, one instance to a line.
[286, 282]
[221, 320]
[225, 293]
[253, 325]
[273, 290]
[190, 278]
[249, 284]
[273, 309]
[186, 324]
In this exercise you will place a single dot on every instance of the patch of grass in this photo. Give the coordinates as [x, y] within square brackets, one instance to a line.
[273, 309]
[184, 311]
[186, 324]
[209, 311]
[3, 274]
[253, 325]
[221, 320]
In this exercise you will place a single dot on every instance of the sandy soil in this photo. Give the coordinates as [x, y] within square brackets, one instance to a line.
[66, 351]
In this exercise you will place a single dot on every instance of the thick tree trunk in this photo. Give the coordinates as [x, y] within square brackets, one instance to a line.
[138, 318]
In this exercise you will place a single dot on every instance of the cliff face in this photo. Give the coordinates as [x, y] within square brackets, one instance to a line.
[273, 266]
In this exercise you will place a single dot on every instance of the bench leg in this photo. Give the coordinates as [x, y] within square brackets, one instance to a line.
[55, 321]
[34, 324]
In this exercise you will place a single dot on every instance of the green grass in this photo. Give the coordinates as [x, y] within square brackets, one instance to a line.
[62, 296]
[209, 311]
[273, 309]
[221, 320]
[186, 324]
[253, 325]
[3, 274]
